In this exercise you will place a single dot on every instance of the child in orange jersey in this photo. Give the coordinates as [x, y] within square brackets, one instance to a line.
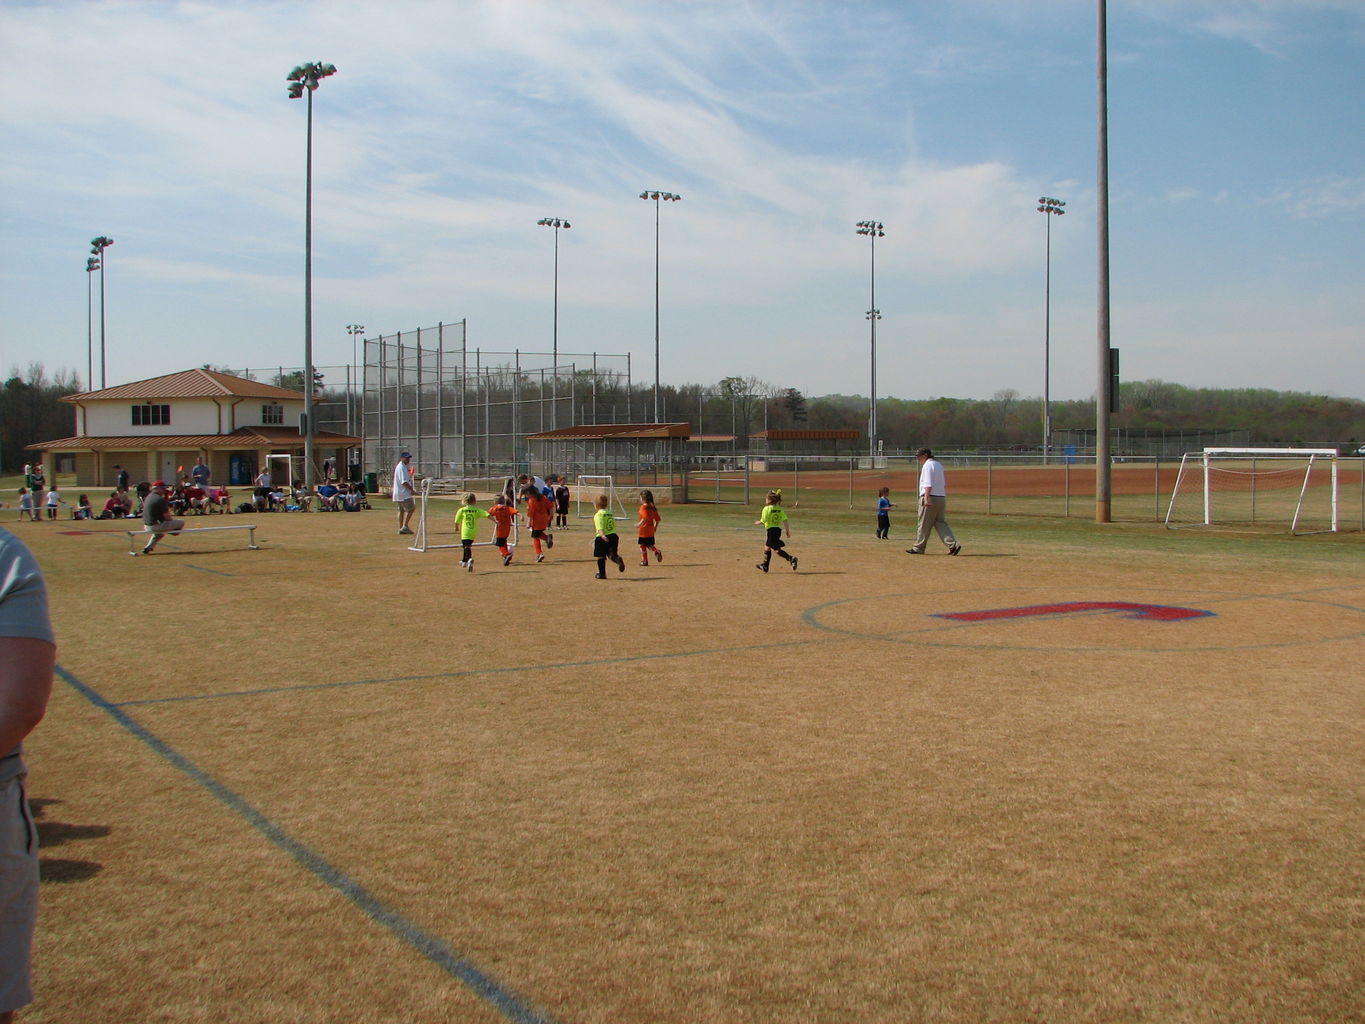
[539, 511]
[504, 514]
[647, 527]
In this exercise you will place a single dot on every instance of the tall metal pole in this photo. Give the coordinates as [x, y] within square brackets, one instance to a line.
[308, 308]
[557, 223]
[1048, 205]
[657, 196]
[97, 248]
[353, 413]
[91, 265]
[873, 230]
[304, 78]
[1102, 395]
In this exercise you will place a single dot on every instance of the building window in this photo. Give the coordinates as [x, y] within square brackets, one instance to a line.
[272, 415]
[151, 415]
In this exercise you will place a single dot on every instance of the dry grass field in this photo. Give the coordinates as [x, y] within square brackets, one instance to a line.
[335, 780]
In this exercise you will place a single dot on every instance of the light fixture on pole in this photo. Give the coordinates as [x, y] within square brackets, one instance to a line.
[1051, 207]
[670, 197]
[97, 247]
[91, 265]
[873, 230]
[304, 79]
[353, 420]
[556, 223]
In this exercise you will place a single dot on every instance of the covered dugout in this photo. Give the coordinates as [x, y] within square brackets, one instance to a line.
[633, 454]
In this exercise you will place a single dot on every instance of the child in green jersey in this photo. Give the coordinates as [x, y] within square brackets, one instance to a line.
[774, 518]
[467, 520]
[605, 543]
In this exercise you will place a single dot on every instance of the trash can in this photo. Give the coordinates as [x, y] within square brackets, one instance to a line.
[371, 483]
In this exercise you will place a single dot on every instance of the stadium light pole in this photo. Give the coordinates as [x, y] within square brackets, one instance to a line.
[556, 223]
[354, 330]
[97, 247]
[873, 230]
[1103, 390]
[1051, 207]
[304, 79]
[91, 265]
[657, 196]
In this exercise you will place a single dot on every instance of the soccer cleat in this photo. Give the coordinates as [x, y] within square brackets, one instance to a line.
[620, 565]
[600, 576]
[912, 551]
[540, 558]
[644, 561]
[955, 549]
[762, 565]
[658, 555]
[147, 550]
[549, 540]
[507, 559]
[469, 565]
[794, 560]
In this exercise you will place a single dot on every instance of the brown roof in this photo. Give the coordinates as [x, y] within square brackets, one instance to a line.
[188, 384]
[809, 435]
[242, 437]
[615, 432]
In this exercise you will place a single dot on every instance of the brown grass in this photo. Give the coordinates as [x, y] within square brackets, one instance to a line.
[693, 793]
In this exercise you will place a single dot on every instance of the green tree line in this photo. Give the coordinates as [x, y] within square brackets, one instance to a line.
[30, 411]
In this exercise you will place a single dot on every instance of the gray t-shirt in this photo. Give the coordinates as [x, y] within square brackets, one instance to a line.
[23, 612]
[156, 509]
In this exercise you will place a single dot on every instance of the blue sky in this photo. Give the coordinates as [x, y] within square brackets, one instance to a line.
[1237, 185]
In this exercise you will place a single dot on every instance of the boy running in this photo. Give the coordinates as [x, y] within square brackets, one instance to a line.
[605, 543]
[467, 521]
[774, 519]
[647, 527]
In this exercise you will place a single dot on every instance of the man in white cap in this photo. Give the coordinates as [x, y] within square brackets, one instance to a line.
[404, 491]
[156, 516]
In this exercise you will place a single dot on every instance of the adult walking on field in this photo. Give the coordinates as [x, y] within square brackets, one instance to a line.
[933, 505]
[27, 655]
[405, 491]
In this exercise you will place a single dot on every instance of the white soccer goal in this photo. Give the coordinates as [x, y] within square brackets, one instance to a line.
[589, 489]
[430, 536]
[1295, 488]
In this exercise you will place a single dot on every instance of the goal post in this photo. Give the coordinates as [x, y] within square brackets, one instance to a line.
[1294, 488]
[428, 537]
[589, 489]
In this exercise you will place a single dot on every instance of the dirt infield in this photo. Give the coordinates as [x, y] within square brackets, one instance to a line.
[1069, 775]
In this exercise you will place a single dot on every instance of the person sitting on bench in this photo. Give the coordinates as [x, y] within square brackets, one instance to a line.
[156, 516]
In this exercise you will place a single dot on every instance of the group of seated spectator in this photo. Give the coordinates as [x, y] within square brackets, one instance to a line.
[341, 497]
[330, 497]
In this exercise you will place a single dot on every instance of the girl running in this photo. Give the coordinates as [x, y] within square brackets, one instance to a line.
[774, 518]
[503, 513]
[647, 527]
[539, 512]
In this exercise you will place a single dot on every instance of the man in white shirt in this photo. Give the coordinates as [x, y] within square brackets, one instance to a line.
[405, 491]
[933, 503]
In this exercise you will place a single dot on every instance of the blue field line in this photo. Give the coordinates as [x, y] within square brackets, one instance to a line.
[459, 673]
[215, 572]
[488, 988]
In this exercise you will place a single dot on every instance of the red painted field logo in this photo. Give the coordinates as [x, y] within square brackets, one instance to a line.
[1151, 612]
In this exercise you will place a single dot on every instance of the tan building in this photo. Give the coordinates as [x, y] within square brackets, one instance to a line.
[158, 429]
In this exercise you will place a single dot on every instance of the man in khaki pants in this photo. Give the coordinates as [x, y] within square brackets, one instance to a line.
[933, 503]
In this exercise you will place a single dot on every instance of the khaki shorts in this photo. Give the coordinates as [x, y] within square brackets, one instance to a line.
[18, 895]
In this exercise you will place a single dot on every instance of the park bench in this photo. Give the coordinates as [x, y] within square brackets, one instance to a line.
[249, 527]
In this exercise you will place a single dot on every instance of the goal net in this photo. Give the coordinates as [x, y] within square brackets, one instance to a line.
[590, 488]
[432, 535]
[1285, 488]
